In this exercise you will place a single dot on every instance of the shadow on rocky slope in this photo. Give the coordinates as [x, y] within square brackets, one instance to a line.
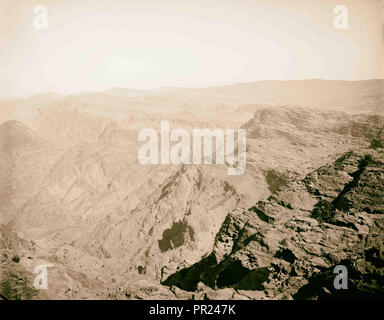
[287, 247]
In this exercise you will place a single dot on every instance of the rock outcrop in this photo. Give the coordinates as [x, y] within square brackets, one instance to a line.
[288, 246]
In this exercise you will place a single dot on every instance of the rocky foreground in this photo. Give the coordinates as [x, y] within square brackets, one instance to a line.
[283, 248]
[286, 247]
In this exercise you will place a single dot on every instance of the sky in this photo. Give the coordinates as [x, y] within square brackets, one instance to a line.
[93, 45]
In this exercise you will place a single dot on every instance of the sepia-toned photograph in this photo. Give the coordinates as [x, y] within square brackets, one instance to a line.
[171, 150]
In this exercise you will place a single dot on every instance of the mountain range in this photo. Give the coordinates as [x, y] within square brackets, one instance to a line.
[74, 196]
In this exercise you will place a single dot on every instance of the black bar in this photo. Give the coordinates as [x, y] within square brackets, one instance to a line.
[144, 309]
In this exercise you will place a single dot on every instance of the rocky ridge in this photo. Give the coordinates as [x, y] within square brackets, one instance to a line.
[286, 247]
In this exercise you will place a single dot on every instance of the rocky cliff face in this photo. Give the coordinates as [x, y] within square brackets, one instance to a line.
[287, 246]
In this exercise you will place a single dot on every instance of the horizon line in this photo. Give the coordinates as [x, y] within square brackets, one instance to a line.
[165, 88]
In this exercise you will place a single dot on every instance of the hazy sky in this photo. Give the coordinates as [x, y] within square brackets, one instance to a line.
[99, 44]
